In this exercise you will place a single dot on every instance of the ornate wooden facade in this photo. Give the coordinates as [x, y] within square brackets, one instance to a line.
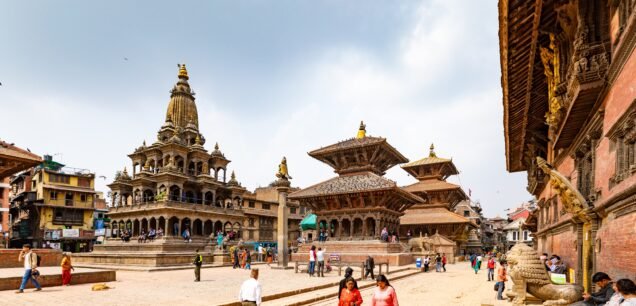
[568, 70]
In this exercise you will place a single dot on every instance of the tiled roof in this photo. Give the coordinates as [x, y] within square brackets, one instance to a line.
[14, 159]
[11, 151]
[430, 185]
[352, 183]
[427, 161]
[431, 216]
[349, 143]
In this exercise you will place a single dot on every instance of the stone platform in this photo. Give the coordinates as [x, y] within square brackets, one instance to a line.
[10, 278]
[394, 254]
[162, 252]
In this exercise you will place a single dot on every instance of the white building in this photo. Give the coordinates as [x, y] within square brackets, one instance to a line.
[515, 234]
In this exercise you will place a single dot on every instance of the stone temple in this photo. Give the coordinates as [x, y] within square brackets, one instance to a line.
[176, 184]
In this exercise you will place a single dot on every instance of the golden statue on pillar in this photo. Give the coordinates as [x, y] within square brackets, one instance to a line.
[362, 131]
[283, 174]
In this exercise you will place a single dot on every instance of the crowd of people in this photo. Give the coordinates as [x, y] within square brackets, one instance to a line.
[389, 236]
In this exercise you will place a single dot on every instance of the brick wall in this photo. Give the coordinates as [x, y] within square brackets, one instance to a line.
[9, 258]
[617, 245]
[49, 280]
[562, 244]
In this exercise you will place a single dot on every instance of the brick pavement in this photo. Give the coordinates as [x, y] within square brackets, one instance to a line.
[220, 285]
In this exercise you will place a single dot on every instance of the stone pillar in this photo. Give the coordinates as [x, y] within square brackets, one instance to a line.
[282, 187]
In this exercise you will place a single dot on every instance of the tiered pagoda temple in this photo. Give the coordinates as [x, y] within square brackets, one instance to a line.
[435, 213]
[358, 203]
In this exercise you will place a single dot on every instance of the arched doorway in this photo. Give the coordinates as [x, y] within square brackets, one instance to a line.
[144, 225]
[346, 228]
[357, 227]
[152, 224]
[197, 228]
[162, 224]
[207, 228]
[173, 227]
[136, 227]
[334, 226]
[218, 227]
[208, 198]
[371, 227]
[175, 193]
[186, 224]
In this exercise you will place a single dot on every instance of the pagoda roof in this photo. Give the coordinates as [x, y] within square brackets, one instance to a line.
[370, 154]
[432, 185]
[353, 183]
[436, 215]
[15, 159]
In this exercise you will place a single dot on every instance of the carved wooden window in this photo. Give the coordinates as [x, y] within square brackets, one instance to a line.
[625, 10]
[623, 137]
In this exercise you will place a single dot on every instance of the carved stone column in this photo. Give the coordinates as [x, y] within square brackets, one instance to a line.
[282, 231]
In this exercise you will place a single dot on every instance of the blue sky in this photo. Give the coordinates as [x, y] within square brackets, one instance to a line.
[272, 78]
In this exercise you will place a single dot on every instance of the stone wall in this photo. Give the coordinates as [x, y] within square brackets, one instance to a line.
[9, 258]
[49, 280]
[615, 254]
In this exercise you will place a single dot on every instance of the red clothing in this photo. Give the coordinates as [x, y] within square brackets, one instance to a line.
[349, 298]
[491, 263]
[444, 259]
[386, 297]
[66, 277]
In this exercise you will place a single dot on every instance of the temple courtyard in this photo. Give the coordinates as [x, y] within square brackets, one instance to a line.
[220, 285]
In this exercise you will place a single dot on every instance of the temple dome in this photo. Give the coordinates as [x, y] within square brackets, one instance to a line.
[182, 109]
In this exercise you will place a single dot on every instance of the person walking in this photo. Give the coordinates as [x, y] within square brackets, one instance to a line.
[248, 260]
[477, 263]
[491, 268]
[343, 282]
[502, 277]
[472, 259]
[320, 257]
[260, 252]
[66, 269]
[235, 254]
[350, 295]
[444, 262]
[30, 268]
[438, 263]
[219, 241]
[312, 261]
[427, 261]
[369, 265]
[198, 261]
[250, 293]
[383, 294]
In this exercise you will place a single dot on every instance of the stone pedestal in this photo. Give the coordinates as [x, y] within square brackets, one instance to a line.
[282, 185]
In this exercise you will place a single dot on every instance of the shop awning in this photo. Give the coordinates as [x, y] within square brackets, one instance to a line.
[308, 222]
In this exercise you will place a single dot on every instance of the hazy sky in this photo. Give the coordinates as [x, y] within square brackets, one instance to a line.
[89, 81]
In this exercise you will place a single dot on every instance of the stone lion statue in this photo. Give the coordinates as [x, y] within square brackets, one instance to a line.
[528, 272]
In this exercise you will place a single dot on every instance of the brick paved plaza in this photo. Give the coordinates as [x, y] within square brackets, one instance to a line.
[218, 286]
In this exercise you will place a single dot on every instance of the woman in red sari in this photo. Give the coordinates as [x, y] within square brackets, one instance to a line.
[350, 296]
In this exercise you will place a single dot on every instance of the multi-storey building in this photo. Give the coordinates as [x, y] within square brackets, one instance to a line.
[52, 206]
[12, 160]
[568, 70]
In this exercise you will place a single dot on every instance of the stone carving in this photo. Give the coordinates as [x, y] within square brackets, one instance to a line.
[420, 244]
[528, 274]
[551, 65]
[572, 200]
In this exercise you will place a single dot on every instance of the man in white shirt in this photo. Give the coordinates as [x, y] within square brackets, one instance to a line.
[320, 257]
[250, 294]
[260, 252]
[30, 267]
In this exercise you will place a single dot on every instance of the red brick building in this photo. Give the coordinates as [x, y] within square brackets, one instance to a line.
[569, 96]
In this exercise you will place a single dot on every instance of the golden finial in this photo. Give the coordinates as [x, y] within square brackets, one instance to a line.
[216, 146]
[233, 176]
[197, 140]
[432, 153]
[362, 131]
[183, 73]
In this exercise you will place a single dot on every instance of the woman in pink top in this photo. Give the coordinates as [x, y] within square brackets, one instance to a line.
[384, 294]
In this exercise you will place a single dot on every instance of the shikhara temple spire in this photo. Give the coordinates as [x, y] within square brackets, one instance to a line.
[183, 73]
[362, 131]
[182, 111]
